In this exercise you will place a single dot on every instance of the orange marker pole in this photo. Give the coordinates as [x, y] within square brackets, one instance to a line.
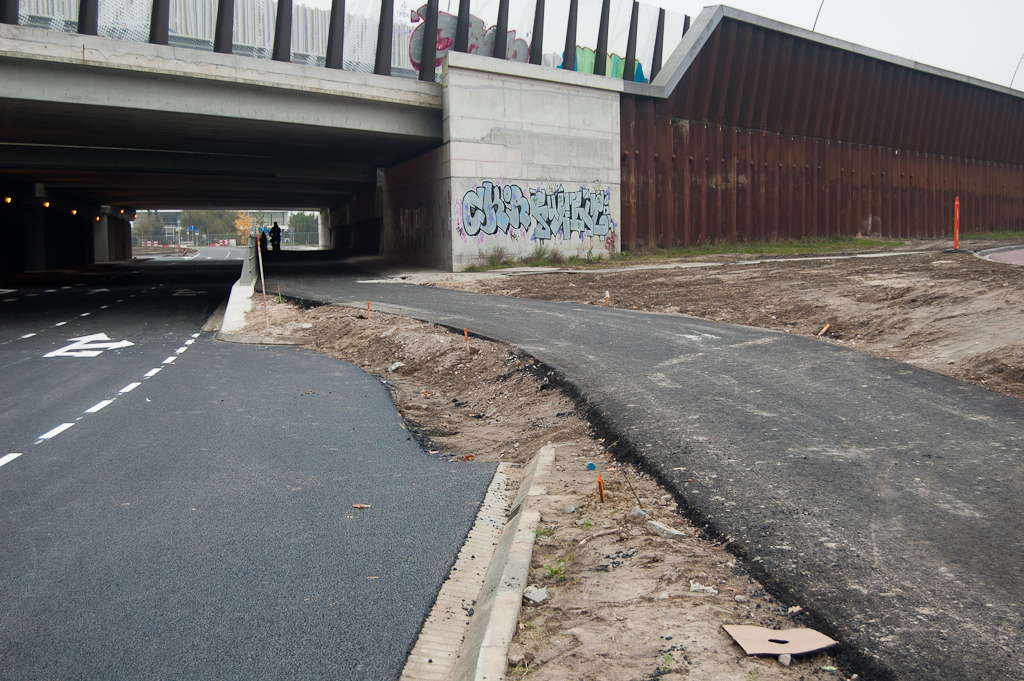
[956, 224]
[263, 285]
[367, 309]
[607, 296]
[466, 331]
[600, 488]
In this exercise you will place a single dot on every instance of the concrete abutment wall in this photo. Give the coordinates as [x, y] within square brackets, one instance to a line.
[529, 160]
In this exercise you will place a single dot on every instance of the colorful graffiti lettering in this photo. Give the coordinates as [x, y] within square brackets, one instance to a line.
[584, 212]
[491, 208]
[615, 65]
[481, 39]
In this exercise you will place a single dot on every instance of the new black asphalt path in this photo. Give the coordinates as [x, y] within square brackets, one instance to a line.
[882, 498]
[200, 525]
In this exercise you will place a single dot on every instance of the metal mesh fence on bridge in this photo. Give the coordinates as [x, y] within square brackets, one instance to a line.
[192, 24]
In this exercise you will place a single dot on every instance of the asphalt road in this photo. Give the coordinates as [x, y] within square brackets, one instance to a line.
[882, 498]
[182, 508]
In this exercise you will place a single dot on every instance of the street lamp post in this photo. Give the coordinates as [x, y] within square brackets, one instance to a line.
[1016, 70]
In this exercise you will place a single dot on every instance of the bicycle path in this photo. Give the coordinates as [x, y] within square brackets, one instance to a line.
[880, 497]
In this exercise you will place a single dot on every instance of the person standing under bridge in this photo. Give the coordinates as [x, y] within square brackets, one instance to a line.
[275, 238]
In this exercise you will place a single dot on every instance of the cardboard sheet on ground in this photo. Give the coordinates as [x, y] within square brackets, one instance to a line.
[762, 641]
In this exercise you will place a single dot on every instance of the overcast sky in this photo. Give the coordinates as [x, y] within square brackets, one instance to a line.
[979, 38]
[983, 38]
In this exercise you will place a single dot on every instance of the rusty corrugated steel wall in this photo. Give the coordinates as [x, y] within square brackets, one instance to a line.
[771, 136]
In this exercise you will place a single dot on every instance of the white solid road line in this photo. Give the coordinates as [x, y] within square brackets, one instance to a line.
[99, 405]
[9, 458]
[130, 387]
[56, 431]
[152, 372]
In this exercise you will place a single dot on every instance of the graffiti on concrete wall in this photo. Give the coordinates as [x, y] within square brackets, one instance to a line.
[491, 208]
[570, 213]
[481, 38]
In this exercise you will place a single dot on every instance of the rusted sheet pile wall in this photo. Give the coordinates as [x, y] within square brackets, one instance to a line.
[771, 136]
[694, 183]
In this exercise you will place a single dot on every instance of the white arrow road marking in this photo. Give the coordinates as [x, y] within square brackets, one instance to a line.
[9, 458]
[89, 346]
[186, 292]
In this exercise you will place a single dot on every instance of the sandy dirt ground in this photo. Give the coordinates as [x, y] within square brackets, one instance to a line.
[624, 603]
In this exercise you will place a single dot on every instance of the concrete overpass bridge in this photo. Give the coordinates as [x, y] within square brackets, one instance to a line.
[742, 129]
[95, 127]
[91, 122]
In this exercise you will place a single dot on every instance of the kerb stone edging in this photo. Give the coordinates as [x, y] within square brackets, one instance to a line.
[484, 653]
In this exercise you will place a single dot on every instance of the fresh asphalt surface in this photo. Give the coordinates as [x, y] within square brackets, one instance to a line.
[196, 522]
[882, 498]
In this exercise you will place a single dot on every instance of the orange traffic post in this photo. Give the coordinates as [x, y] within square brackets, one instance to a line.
[367, 309]
[956, 224]
[600, 488]
[466, 331]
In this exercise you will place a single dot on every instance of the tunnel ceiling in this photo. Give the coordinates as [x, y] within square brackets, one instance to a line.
[129, 157]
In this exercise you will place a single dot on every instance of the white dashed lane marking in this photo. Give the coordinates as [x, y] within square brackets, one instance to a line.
[55, 432]
[9, 458]
[50, 434]
[96, 407]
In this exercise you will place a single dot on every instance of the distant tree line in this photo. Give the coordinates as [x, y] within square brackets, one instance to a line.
[149, 225]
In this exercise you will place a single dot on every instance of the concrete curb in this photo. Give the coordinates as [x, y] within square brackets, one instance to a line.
[239, 302]
[989, 251]
[484, 653]
[436, 652]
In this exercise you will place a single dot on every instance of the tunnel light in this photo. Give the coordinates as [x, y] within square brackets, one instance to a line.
[46, 204]
[122, 211]
[74, 211]
[97, 218]
[7, 199]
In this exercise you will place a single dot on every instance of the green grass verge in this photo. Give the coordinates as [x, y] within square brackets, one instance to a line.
[542, 256]
[995, 236]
